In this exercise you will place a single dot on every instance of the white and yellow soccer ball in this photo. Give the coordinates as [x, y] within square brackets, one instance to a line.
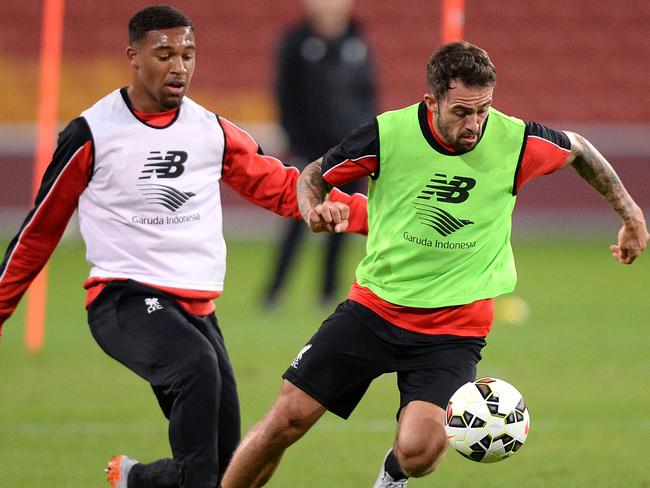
[487, 420]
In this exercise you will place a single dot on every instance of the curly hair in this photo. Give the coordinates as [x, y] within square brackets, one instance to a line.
[460, 61]
[156, 17]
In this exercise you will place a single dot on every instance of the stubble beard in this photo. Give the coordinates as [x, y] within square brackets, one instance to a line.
[444, 133]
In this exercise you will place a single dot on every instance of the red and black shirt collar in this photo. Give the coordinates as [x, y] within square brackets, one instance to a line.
[155, 120]
[434, 139]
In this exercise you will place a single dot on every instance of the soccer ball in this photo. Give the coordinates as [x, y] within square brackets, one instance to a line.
[487, 420]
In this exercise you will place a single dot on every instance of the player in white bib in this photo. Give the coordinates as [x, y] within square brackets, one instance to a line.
[144, 166]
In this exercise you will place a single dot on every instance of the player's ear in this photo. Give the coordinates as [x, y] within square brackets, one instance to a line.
[132, 56]
[431, 102]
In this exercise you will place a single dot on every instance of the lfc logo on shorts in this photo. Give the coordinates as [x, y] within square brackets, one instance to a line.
[152, 305]
[295, 362]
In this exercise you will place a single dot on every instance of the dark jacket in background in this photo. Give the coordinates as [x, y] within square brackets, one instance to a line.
[325, 89]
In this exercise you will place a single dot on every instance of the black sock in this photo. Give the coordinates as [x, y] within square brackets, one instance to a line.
[157, 474]
[392, 467]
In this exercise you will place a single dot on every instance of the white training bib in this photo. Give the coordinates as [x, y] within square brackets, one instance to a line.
[152, 209]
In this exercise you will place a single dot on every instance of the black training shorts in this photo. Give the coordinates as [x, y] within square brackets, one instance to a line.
[354, 346]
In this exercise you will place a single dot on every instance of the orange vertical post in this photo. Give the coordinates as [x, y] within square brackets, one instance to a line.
[453, 20]
[48, 105]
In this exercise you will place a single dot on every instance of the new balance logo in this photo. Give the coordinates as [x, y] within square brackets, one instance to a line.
[152, 305]
[295, 362]
[171, 165]
[455, 190]
[168, 166]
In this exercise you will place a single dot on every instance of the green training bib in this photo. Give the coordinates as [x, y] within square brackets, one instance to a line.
[439, 224]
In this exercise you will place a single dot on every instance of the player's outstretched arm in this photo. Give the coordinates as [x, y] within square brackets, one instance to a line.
[320, 215]
[595, 169]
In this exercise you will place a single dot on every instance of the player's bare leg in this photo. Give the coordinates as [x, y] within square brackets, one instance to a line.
[259, 453]
[421, 438]
[420, 445]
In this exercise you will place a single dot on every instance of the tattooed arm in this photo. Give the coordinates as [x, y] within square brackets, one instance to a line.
[312, 188]
[594, 168]
[320, 214]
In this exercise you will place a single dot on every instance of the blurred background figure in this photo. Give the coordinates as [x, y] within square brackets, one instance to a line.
[325, 88]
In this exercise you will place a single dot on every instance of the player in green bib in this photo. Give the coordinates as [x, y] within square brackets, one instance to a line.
[444, 175]
[445, 220]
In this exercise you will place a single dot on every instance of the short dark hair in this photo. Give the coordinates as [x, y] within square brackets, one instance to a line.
[156, 17]
[461, 61]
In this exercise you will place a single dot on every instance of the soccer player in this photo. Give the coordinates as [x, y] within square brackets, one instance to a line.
[143, 166]
[444, 176]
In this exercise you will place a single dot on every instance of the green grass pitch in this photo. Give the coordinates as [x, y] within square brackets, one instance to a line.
[581, 360]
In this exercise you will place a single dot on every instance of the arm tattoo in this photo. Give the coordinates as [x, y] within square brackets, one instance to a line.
[312, 187]
[596, 171]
